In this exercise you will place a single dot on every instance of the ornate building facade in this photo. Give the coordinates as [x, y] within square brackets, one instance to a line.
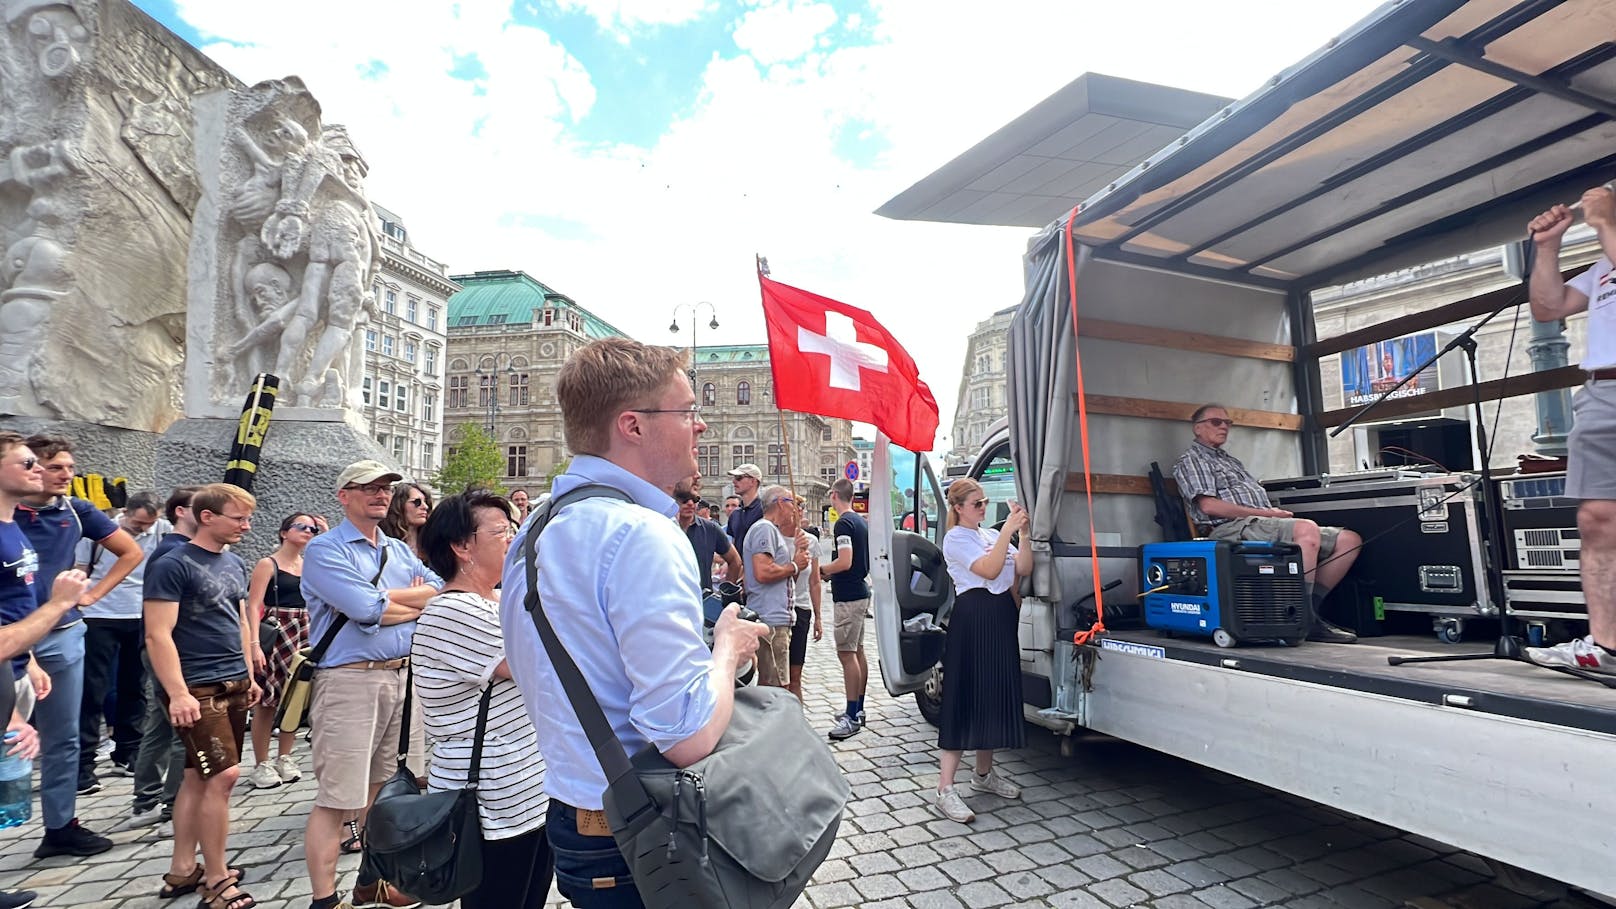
[402, 388]
[982, 390]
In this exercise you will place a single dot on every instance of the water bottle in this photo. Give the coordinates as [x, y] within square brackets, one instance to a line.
[16, 785]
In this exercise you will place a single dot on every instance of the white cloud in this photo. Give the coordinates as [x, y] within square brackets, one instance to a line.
[631, 14]
[787, 31]
[483, 178]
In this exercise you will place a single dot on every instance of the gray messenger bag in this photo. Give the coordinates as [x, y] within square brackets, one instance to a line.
[745, 826]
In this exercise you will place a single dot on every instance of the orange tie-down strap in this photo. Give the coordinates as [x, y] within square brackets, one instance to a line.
[1098, 628]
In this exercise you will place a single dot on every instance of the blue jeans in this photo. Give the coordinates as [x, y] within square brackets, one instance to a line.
[582, 861]
[56, 717]
[160, 760]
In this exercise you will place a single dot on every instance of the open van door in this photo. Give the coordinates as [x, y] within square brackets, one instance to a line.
[908, 577]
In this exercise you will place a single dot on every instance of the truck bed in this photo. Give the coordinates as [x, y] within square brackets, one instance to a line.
[1504, 687]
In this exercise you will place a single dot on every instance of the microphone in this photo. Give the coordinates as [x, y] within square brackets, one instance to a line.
[1611, 186]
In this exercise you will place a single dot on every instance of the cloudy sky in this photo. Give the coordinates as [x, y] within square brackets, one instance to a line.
[635, 154]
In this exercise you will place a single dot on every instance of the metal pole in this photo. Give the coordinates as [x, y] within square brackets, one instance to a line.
[1548, 351]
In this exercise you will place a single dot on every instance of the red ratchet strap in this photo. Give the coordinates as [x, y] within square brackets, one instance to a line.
[1098, 628]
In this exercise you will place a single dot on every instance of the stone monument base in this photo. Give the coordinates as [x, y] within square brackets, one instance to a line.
[297, 471]
[111, 451]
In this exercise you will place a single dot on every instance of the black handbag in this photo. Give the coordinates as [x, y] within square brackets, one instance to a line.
[429, 845]
[269, 627]
[745, 826]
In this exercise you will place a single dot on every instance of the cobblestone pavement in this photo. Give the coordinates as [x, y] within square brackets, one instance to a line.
[1113, 826]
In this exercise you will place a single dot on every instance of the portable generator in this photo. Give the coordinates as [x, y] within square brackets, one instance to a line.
[1230, 592]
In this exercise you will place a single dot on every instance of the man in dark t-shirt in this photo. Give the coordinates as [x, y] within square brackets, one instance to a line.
[706, 538]
[747, 478]
[850, 592]
[196, 622]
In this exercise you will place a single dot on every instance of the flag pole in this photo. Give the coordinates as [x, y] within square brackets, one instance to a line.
[785, 448]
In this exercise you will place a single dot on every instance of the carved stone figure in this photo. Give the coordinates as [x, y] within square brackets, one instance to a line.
[56, 33]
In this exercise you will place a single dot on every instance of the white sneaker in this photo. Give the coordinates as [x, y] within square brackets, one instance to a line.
[845, 727]
[953, 807]
[286, 766]
[995, 785]
[1581, 653]
[264, 776]
[139, 819]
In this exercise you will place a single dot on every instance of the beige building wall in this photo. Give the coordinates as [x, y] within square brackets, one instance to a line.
[983, 389]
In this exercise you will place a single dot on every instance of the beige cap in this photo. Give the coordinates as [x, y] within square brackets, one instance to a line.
[364, 473]
[747, 470]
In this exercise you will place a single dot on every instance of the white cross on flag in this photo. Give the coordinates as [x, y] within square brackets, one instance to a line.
[835, 360]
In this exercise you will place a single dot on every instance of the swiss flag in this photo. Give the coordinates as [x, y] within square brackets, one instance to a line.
[835, 360]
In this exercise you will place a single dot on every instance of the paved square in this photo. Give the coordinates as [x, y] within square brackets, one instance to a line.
[1114, 826]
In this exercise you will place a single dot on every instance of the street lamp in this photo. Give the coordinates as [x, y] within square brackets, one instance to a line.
[492, 376]
[695, 310]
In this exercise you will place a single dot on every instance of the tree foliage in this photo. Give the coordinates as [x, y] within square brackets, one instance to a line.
[473, 462]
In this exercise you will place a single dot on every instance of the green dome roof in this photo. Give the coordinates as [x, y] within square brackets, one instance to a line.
[504, 297]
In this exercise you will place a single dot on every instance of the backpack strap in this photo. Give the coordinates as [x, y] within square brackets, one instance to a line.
[608, 748]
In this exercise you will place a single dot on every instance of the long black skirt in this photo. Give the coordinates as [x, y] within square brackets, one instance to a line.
[982, 675]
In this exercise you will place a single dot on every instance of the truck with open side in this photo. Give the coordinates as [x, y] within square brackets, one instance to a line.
[1429, 129]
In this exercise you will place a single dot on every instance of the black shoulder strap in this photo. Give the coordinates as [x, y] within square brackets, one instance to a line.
[342, 619]
[608, 748]
[95, 553]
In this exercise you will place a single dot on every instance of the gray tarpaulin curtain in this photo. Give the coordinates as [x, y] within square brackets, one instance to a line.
[1041, 382]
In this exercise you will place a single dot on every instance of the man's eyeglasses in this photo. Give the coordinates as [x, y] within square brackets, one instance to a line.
[306, 528]
[1219, 422]
[693, 411]
[370, 489]
[240, 519]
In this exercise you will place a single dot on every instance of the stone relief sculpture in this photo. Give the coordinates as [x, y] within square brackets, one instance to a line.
[296, 251]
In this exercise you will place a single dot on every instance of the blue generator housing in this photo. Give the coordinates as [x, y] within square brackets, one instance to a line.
[1230, 592]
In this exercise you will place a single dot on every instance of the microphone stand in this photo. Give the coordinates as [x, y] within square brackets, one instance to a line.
[1508, 646]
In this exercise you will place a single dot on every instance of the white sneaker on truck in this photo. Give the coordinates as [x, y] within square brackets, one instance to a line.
[1581, 653]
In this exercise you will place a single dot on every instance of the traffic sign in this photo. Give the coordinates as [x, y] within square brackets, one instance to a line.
[851, 471]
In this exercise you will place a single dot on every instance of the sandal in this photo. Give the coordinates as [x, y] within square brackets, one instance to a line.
[352, 845]
[214, 897]
[176, 885]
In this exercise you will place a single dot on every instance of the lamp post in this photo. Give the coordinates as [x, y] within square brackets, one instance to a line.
[492, 376]
[695, 310]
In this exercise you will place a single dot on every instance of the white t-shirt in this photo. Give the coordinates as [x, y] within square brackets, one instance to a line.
[962, 547]
[802, 595]
[1598, 284]
[457, 645]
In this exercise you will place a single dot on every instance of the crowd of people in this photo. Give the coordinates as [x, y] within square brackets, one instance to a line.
[150, 621]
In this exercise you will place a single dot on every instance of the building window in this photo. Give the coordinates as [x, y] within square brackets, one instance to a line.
[412, 309]
[828, 474]
[707, 460]
[409, 356]
[370, 339]
[458, 391]
[709, 395]
[549, 316]
[428, 455]
[431, 362]
[741, 454]
[518, 389]
[401, 398]
[825, 435]
[384, 390]
[387, 345]
[382, 439]
[429, 406]
[398, 449]
[364, 388]
[516, 460]
[777, 460]
[392, 302]
[743, 393]
[432, 318]
[486, 390]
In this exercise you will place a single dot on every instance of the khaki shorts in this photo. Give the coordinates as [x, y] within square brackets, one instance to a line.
[849, 633]
[357, 715]
[1591, 473]
[213, 743]
[1273, 530]
[774, 657]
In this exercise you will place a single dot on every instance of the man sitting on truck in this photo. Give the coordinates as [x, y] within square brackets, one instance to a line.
[1227, 503]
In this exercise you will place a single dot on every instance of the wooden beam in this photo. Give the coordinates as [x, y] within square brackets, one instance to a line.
[1181, 412]
[1456, 311]
[1508, 387]
[1183, 340]
[1117, 484]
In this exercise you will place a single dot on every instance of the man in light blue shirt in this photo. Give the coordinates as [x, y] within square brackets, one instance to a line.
[376, 586]
[619, 583]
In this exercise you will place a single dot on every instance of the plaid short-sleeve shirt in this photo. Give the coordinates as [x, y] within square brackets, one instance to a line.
[1206, 471]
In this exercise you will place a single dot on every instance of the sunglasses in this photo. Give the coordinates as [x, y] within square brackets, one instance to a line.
[1219, 422]
[306, 528]
[28, 463]
[979, 503]
[416, 502]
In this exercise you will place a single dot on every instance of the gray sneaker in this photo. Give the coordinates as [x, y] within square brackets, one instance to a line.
[144, 817]
[949, 803]
[995, 785]
[845, 727]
